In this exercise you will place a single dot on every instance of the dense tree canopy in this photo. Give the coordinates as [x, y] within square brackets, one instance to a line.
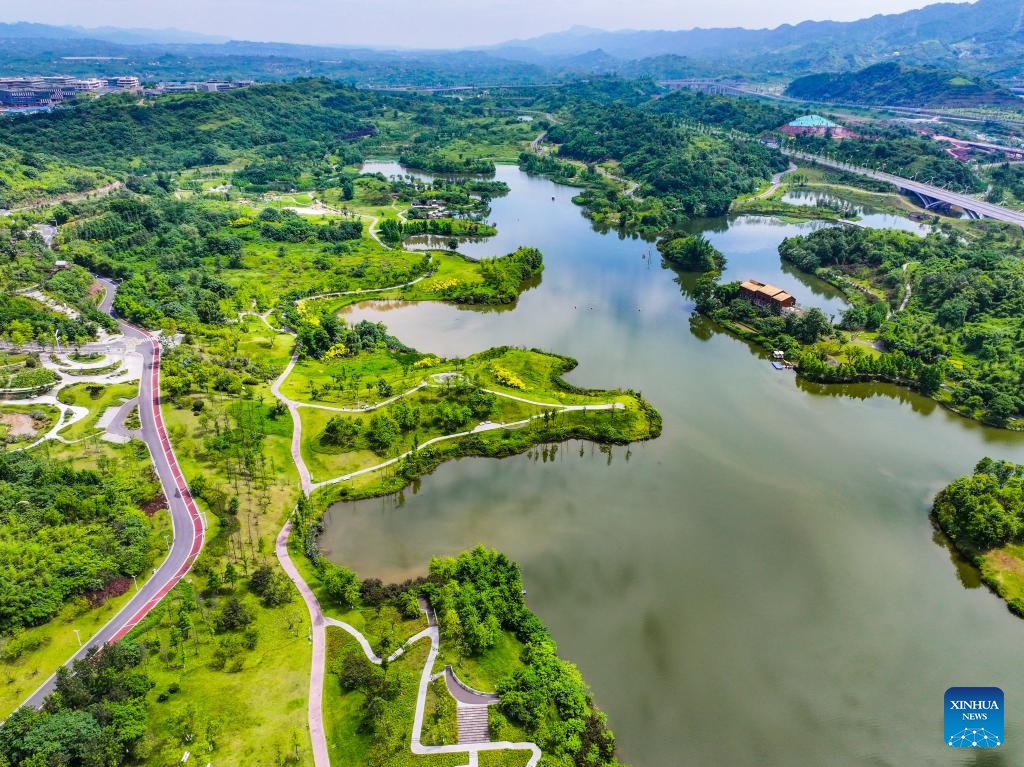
[96, 715]
[985, 509]
[479, 594]
[66, 533]
[701, 174]
[966, 311]
[746, 115]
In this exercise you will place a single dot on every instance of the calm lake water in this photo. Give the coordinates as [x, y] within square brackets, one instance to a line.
[759, 586]
[868, 216]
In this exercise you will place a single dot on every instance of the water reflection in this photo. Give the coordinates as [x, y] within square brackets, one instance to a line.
[970, 577]
[868, 216]
[766, 569]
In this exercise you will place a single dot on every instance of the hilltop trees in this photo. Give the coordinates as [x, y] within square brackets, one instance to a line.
[985, 509]
[698, 173]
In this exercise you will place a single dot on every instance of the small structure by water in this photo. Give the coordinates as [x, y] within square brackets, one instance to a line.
[763, 294]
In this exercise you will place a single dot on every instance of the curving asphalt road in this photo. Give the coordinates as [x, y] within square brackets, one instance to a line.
[185, 517]
[980, 208]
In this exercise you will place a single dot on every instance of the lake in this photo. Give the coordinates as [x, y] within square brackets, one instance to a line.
[759, 586]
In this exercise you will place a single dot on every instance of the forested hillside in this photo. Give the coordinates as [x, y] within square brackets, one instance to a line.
[172, 132]
[894, 84]
[26, 176]
[982, 36]
[298, 124]
[746, 115]
[965, 312]
[696, 173]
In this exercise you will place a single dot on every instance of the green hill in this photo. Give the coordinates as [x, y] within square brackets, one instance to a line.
[26, 176]
[899, 85]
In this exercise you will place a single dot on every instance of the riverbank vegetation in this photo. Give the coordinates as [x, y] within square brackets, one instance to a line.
[961, 318]
[487, 282]
[487, 633]
[983, 515]
[698, 174]
[945, 314]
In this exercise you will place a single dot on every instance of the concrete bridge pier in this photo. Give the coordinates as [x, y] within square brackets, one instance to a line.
[928, 203]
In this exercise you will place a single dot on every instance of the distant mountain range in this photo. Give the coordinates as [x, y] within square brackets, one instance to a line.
[985, 36]
[25, 29]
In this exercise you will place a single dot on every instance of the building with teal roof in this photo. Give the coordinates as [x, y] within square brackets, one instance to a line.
[816, 125]
[813, 121]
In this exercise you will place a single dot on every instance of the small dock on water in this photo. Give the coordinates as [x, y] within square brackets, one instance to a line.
[779, 361]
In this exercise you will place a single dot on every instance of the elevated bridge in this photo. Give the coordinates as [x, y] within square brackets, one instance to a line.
[706, 85]
[931, 197]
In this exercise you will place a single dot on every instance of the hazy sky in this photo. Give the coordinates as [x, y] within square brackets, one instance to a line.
[432, 23]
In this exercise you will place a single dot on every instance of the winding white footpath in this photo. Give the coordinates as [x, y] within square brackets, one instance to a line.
[318, 621]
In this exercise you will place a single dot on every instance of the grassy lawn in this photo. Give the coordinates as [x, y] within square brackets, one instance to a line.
[250, 711]
[519, 373]
[504, 758]
[1003, 569]
[635, 423]
[352, 381]
[253, 709]
[483, 672]
[96, 397]
[440, 717]
[325, 461]
[269, 270]
[372, 623]
[345, 382]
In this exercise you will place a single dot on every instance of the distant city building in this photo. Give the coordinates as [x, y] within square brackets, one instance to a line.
[39, 92]
[767, 295]
[48, 91]
[206, 86]
[816, 125]
[129, 83]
